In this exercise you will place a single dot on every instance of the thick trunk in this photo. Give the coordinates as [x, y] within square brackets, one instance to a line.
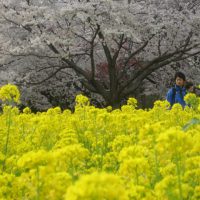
[114, 101]
[116, 104]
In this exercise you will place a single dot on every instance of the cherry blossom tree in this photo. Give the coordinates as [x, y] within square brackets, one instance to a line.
[112, 46]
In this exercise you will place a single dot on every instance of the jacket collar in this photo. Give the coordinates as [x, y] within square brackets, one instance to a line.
[179, 88]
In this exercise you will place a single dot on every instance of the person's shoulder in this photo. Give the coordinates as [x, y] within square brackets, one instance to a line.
[171, 90]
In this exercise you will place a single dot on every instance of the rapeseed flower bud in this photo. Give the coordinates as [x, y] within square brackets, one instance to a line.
[196, 193]
[135, 151]
[138, 192]
[120, 142]
[54, 111]
[161, 104]
[55, 185]
[82, 100]
[174, 141]
[169, 169]
[27, 110]
[132, 102]
[109, 108]
[166, 187]
[149, 154]
[98, 186]
[33, 159]
[176, 108]
[9, 94]
[192, 100]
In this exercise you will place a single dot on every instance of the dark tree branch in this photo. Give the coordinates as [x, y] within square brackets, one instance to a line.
[131, 56]
[105, 47]
[159, 47]
[150, 80]
[135, 83]
[28, 2]
[82, 37]
[94, 83]
[89, 86]
[10, 62]
[29, 54]
[136, 52]
[27, 28]
[53, 48]
[92, 53]
[49, 77]
[111, 65]
[156, 61]
[119, 48]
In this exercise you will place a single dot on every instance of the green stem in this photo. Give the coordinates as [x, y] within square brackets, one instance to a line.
[137, 178]
[158, 176]
[38, 183]
[179, 178]
[8, 123]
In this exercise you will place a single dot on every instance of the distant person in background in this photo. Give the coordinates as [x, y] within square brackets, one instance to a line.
[189, 86]
[178, 91]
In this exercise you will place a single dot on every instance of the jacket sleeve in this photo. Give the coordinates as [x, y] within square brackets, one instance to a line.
[169, 96]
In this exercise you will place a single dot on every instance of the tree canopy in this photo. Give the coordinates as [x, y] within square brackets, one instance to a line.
[112, 46]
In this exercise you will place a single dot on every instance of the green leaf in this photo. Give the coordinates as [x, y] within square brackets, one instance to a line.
[191, 123]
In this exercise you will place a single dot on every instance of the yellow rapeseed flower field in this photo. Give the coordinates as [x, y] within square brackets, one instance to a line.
[99, 154]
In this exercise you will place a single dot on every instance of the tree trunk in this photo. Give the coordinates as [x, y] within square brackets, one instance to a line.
[114, 101]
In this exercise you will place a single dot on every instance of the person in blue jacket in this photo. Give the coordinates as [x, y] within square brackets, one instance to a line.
[176, 94]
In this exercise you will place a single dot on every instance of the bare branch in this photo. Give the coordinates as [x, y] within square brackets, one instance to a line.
[27, 28]
[119, 48]
[29, 54]
[92, 53]
[143, 73]
[136, 52]
[10, 62]
[149, 68]
[105, 47]
[131, 56]
[49, 77]
[159, 49]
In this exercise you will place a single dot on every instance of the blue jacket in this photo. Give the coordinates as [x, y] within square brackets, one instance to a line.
[176, 95]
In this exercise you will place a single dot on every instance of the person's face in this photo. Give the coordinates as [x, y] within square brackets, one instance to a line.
[180, 82]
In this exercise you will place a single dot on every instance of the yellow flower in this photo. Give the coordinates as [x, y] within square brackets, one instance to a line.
[161, 104]
[169, 169]
[55, 185]
[196, 193]
[9, 93]
[138, 192]
[167, 188]
[174, 142]
[82, 100]
[98, 186]
[27, 110]
[53, 111]
[176, 108]
[109, 108]
[136, 169]
[132, 101]
[33, 159]
[192, 100]
[150, 154]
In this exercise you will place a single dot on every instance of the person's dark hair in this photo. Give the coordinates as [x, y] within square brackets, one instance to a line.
[188, 84]
[180, 75]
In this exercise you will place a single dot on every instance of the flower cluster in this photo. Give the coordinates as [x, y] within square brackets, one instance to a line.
[9, 93]
[94, 153]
